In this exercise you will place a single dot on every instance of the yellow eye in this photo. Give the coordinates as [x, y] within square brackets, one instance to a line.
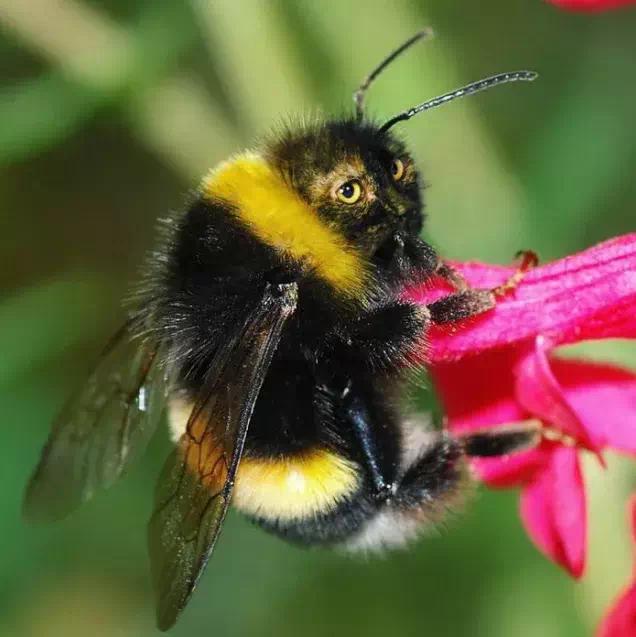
[349, 192]
[397, 169]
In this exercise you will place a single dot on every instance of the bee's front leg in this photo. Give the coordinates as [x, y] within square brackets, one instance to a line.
[468, 301]
[381, 339]
[461, 305]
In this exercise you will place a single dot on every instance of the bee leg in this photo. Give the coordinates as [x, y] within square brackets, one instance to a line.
[467, 301]
[437, 474]
[382, 338]
[527, 260]
[461, 305]
[379, 470]
[451, 276]
[434, 478]
[502, 440]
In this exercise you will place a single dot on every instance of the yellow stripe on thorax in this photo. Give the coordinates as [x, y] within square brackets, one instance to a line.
[277, 215]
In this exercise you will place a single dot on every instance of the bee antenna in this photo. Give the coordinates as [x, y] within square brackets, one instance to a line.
[358, 96]
[464, 91]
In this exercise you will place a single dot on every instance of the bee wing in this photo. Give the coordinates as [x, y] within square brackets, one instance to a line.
[195, 487]
[100, 430]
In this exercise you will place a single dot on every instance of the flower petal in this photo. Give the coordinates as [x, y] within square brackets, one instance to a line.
[591, 5]
[474, 398]
[620, 621]
[512, 470]
[480, 391]
[584, 296]
[553, 510]
[540, 393]
[604, 397]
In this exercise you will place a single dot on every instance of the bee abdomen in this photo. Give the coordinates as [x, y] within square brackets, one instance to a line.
[296, 487]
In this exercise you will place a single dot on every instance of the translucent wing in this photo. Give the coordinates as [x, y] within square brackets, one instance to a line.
[99, 432]
[195, 487]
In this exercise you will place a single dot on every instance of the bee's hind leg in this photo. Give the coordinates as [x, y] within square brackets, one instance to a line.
[436, 477]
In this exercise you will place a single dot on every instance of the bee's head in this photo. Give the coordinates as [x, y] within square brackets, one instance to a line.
[361, 181]
[339, 195]
[356, 175]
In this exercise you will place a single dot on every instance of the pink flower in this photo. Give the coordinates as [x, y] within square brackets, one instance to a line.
[590, 5]
[620, 621]
[498, 369]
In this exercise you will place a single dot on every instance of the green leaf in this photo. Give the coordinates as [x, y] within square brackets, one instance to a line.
[39, 113]
[42, 322]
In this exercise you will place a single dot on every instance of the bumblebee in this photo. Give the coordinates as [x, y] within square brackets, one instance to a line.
[270, 324]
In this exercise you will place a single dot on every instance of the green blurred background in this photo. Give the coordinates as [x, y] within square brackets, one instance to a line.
[110, 110]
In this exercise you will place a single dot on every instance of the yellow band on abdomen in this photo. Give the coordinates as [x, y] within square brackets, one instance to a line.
[285, 488]
[293, 487]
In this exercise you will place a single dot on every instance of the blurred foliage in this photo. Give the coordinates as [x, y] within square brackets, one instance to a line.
[111, 110]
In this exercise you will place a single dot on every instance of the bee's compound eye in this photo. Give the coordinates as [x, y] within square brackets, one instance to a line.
[397, 169]
[350, 192]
